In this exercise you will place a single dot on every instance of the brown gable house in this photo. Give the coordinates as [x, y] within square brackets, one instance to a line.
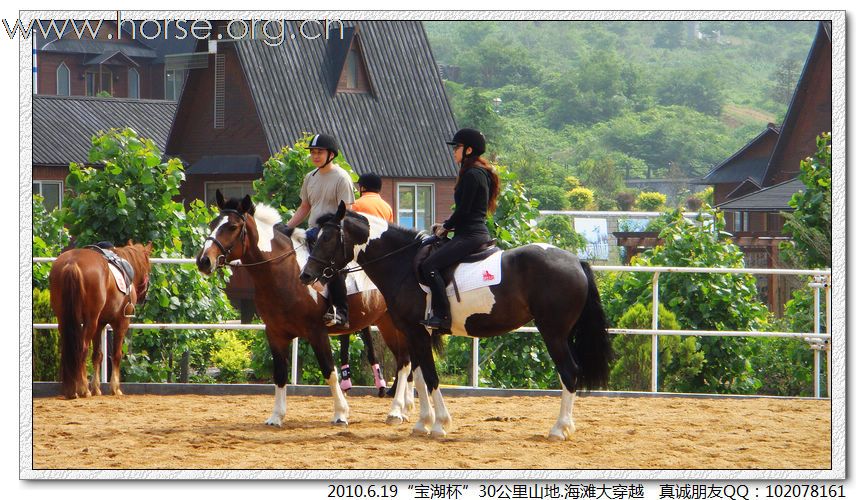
[373, 85]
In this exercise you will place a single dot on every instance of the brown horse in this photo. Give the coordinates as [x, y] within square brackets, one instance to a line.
[243, 232]
[85, 298]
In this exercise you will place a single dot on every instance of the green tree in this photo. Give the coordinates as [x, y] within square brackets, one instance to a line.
[550, 197]
[700, 301]
[679, 360]
[782, 83]
[581, 198]
[810, 223]
[49, 238]
[561, 229]
[132, 197]
[698, 88]
[511, 225]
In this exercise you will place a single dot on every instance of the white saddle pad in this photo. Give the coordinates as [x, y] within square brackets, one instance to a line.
[122, 285]
[481, 274]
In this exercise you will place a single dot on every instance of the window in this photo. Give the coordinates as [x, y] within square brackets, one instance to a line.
[174, 83]
[354, 77]
[416, 205]
[95, 82]
[236, 189]
[51, 192]
[740, 222]
[134, 87]
[352, 64]
[62, 79]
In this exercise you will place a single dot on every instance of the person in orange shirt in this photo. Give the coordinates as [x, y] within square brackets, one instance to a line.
[370, 201]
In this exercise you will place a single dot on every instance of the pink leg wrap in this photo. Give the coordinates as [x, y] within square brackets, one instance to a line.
[379, 378]
[345, 373]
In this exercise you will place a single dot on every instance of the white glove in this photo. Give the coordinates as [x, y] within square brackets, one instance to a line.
[439, 230]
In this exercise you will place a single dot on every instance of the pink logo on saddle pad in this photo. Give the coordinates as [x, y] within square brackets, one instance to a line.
[488, 276]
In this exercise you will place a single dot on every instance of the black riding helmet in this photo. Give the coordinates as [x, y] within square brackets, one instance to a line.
[472, 138]
[324, 141]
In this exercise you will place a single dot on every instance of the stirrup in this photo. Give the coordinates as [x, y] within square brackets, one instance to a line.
[435, 323]
[129, 310]
[333, 318]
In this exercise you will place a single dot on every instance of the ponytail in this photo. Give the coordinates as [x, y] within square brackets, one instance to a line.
[480, 162]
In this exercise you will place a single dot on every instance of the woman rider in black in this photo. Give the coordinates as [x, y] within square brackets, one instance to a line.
[475, 194]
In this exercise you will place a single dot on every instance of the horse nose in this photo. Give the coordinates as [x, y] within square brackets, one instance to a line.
[204, 264]
[306, 278]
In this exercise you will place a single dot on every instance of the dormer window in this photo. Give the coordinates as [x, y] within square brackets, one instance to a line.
[354, 77]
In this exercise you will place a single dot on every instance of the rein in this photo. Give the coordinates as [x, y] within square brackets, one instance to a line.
[328, 271]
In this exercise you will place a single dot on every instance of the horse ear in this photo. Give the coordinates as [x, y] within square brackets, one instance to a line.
[129, 242]
[149, 248]
[220, 201]
[340, 212]
[245, 204]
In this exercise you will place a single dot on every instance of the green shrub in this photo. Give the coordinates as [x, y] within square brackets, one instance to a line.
[231, 357]
[46, 343]
[650, 201]
[581, 198]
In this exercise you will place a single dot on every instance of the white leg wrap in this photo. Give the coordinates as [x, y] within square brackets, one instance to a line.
[278, 407]
[340, 405]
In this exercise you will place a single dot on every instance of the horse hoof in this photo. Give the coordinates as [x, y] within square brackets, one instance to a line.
[557, 435]
[438, 433]
[273, 422]
[339, 423]
[420, 431]
[381, 392]
[394, 420]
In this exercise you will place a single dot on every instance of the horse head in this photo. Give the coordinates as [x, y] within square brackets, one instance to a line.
[230, 236]
[332, 247]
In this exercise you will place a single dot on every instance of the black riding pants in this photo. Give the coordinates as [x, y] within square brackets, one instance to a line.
[453, 251]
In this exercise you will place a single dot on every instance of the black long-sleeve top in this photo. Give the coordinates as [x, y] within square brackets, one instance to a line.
[472, 194]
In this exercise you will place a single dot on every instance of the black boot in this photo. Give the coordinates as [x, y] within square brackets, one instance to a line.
[441, 318]
[337, 313]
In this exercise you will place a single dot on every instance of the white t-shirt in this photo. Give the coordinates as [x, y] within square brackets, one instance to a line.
[324, 190]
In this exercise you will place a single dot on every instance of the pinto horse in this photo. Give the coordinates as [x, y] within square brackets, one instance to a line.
[85, 298]
[539, 282]
[243, 232]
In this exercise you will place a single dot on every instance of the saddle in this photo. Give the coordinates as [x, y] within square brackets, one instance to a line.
[115, 260]
[430, 244]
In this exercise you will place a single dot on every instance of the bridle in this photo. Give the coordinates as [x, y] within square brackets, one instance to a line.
[224, 252]
[330, 271]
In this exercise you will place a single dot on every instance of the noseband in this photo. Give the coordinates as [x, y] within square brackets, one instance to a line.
[220, 261]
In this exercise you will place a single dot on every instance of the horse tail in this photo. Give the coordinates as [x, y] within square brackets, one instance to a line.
[71, 330]
[438, 345]
[590, 341]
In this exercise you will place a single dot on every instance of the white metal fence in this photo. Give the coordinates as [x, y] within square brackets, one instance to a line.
[821, 280]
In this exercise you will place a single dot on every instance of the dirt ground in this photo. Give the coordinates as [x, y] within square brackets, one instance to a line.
[227, 432]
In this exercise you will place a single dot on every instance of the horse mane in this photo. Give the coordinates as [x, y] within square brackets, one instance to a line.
[403, 232]
[266, 215]
[136, 256]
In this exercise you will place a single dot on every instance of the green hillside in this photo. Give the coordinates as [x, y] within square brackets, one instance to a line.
[601, 100]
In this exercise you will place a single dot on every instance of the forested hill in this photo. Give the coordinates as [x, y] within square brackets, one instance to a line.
[635, 97]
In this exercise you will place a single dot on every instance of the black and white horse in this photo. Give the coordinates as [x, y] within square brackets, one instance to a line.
[539, 282]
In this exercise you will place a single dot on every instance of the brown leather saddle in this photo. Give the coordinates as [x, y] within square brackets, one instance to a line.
[431, 244]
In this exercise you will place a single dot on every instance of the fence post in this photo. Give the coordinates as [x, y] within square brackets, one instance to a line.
[655, 300]
[816, 351]
[103, 372]
[828, 285]
[475, 356]
[294, 346]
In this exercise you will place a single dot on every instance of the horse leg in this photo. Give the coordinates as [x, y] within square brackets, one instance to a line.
[557, 345]
[96, 361]
[321, 346]
[120, 327]
[89, 333]
[427, 414]
[344, 368]
[280, 379]
[377, 375]
[429, 379]
[398, 409]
